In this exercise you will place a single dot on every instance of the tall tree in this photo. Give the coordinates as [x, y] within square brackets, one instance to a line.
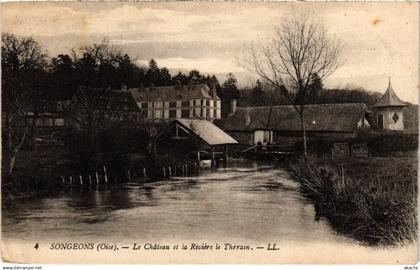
[315, 88]
[22, 64]
[95, 70]
[258, 94]
[152, 73]
[229, 91]
[195, 77]
[300, 48]
[180, 78]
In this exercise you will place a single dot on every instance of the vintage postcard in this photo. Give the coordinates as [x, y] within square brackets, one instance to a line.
[209, 132]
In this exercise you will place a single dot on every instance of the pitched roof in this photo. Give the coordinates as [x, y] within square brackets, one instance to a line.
[390, 99]
[122, 101]
[207, 131]
[177, 92]
[318, 117]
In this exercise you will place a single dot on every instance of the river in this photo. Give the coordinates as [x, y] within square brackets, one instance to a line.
[247, 200]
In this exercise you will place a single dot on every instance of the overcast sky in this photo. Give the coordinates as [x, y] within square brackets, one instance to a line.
[380, 40]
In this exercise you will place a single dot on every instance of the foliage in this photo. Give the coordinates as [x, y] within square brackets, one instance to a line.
[387, 142]
[372, 200]
[22, 69]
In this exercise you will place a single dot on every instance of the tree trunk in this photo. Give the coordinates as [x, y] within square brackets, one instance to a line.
[11, 162]
[302, 123]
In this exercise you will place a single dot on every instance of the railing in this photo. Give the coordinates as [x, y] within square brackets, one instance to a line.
[270, 148]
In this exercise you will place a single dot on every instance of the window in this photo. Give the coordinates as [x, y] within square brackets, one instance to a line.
[380, 121]
[172, 104]
[145, 105]
[208, 112]
[203, 112]
[197, 102]
[185, 113]
[59, 122]
[395, 117]
[172, 113]
[215, 103]
[207, 102]
[185, 104]
[215, 113]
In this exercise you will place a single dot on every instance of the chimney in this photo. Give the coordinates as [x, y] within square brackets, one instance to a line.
[233, 103]
[124, 87]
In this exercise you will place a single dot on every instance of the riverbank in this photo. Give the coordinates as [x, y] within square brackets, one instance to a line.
[373, 200]
[44, 171]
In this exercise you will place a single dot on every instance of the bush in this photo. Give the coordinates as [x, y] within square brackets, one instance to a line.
[385, 143]
[372, 200]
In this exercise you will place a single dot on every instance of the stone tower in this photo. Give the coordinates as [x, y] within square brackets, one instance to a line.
[388, 111]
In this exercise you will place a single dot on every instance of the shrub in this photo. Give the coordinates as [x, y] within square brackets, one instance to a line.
[371, 200]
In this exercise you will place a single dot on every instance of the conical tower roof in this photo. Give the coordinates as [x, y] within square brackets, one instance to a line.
[390, 99]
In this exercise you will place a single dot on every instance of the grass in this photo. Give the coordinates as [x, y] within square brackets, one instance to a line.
[373, 200]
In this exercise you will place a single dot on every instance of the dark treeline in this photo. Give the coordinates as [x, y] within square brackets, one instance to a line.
[259, 95]
[83, 80]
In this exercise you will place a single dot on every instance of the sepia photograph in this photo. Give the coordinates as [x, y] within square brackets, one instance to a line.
[209, 132]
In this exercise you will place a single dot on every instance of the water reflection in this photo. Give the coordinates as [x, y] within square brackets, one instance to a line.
[246, 200]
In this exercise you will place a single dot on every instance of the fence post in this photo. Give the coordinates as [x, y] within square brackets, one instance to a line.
[81, 179]
[97, 178]
[105, 177]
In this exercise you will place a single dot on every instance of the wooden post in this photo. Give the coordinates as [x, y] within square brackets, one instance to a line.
[71, 180]
[225, 158]
[129, 175]
[198, 157]
[144, 172]
[169, 171]
[164, 172]
[105, 177]
[97, 178]
[81, 180]
[186, 169]
[62, 179]
[90, 179]
[212, 157]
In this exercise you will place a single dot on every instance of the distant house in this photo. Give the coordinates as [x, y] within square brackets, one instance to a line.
[48, 114]
[192, 135]
[121, 106]
[389, 114]
[281, 124]
[195, 101]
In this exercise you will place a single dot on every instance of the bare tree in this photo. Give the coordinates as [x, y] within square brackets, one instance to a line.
[22, 64]
[94, 71]
[300, 50]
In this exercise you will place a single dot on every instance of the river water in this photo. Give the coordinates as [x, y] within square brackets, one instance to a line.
[246, 200]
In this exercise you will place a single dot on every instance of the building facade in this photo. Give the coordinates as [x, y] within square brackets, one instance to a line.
[196, 101]
[281, 124]
[389, 111]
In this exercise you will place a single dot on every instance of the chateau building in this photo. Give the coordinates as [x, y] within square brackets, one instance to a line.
[194, 101]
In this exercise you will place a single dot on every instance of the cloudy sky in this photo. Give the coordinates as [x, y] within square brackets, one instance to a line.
[380, 40]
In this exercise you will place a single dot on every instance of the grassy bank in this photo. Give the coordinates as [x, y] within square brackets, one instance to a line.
[373, 200]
